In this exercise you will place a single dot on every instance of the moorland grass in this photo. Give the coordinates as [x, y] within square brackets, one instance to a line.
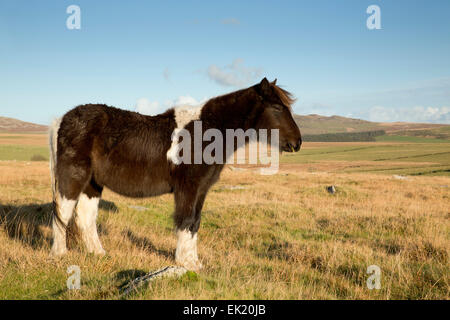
[277, 237]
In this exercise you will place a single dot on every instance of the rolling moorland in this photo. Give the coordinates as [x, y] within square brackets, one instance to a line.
[262, 237]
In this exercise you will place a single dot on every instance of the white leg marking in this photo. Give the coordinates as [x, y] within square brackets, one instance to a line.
[186, 253]
[64, 209]
[183, 115]
[87, 211]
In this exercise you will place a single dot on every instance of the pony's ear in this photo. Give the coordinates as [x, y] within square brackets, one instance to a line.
[274, 82]
[264, 86]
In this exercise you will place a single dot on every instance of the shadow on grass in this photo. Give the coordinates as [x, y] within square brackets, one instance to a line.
[124, 277]
[31, 223]
[147, 245]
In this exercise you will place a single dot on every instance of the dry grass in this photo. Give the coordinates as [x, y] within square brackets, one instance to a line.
[280, 237]
[31, 139]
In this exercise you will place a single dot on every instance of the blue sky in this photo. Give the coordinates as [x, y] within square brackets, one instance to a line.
[147, 55]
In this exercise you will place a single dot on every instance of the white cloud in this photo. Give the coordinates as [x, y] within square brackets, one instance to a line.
[151, 108]
[232, 21]
[236, 74]
[414, 114]
[145, 106]
[186, 100]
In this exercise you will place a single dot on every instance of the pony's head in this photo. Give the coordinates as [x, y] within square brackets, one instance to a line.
[277, 114]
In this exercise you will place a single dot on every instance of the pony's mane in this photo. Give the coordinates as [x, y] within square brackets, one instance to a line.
[285, 96]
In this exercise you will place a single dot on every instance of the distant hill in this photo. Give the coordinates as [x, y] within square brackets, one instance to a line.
[14, 125]
[315, 124]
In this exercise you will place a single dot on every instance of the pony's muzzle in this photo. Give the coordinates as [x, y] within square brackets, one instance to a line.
[293, 146]
[298, 145]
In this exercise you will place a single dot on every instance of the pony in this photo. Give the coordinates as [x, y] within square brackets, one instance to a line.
[95, 146]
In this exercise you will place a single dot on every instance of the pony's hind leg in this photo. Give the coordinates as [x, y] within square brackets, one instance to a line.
[63, 213]
[86, 216]
[70, 181]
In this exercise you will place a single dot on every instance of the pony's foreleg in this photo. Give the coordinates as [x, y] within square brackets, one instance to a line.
[186, 253]
[187, 221]
[86, 217]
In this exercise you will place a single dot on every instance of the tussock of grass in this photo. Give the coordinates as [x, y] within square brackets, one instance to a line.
[38, 157]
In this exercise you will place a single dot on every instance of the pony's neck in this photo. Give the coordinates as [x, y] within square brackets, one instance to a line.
[237, 110]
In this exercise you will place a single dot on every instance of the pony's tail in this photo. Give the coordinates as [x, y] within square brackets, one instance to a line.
[53, 144]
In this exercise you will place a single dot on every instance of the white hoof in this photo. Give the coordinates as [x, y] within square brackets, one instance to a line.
[56, 252]
[192, 265]
[99, 252]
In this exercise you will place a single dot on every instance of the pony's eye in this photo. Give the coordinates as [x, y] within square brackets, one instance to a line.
[277, 107]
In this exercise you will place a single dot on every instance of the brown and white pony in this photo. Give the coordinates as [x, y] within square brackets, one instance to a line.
[95, 146]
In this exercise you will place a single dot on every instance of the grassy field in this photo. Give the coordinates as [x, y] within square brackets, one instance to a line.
[275, 237]
[409, 139]
[437, 133]
[393, 157]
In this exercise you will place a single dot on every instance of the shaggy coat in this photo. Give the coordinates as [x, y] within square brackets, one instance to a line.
[95, 146]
